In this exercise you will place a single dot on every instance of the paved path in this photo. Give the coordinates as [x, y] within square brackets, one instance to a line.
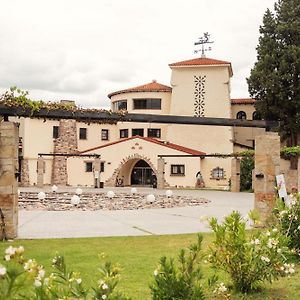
[67, 224]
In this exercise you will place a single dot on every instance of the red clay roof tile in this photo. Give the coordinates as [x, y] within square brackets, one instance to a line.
[148, 87]
[203, 61]
[152, 140]
[243, 101]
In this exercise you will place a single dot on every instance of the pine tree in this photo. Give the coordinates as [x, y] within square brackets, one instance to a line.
[275, 78]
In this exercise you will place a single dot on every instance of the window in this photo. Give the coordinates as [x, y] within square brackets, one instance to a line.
[119, 105]
[138, 131]
[55, 132]
[104, 135]
[218, 173]
[177, 170]
[82, 133]
[89, 166]
[147, 103]
[241, 115]
[154, 132]
[256, 116]
[102, 166]
[123, 133]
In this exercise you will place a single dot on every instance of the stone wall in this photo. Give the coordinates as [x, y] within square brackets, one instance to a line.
[66, 143]
[267, 166]
[9, 142]
[24, 173]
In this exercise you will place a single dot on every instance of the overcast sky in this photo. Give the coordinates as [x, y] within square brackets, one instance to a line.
[85, 49]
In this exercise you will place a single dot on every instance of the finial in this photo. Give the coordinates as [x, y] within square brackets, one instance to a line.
[203, 41]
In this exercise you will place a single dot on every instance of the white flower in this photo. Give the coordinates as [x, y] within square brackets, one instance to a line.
[7, 257]
[103, 297]
[155, 273]
[104, 286]
[78, 280]
[256, 242]
[10, 251]
[268, 233]
[2, 270]
[37, 283]
[20, 250]
[41, 274]
[264, 258]
[291, 270]
[278, 250]
[220, 289]
[275, 230]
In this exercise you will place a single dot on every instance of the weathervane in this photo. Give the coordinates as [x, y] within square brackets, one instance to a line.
[203, 41]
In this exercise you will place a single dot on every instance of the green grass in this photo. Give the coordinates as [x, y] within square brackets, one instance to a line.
[138, 257]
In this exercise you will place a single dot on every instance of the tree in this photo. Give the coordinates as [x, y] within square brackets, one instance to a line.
[275, 78]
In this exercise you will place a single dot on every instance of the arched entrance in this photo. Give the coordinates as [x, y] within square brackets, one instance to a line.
[142, 174]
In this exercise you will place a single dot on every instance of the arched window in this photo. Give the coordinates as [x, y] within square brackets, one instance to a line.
[217, 173]
[256, 116]
[241, 115]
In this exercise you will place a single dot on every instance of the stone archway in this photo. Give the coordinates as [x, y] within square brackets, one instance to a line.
[128, 162]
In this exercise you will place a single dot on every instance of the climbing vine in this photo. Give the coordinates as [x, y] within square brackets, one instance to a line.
[17, 98]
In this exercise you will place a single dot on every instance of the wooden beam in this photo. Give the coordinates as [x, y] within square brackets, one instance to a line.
[99, 116]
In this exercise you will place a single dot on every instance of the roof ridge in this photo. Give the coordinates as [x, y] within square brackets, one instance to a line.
[149, 139]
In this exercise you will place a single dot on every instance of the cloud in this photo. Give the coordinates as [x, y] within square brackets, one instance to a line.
[85, 50]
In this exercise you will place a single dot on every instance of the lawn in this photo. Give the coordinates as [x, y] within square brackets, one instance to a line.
[138, 257]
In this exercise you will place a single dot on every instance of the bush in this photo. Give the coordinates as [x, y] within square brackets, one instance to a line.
[26, 279]
[249, 259]
[287, 218]
[247, 165]
[180, 282]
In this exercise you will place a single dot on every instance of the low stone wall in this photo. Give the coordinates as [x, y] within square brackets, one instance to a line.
[100, 201]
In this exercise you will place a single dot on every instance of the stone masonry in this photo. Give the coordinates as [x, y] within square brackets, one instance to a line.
[66, 143]
[9, 140]
[235, 174]
[267, 166]
[24, 172]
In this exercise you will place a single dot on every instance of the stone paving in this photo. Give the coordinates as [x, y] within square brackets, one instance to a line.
[100, 201]
[131, 222]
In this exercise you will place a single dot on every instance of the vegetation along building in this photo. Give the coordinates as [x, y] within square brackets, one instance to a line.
[129, 152]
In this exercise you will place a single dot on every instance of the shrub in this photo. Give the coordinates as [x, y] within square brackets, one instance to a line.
[248, 258]
[26, 279]
[287, 218]
[180, 282]
[247, 165]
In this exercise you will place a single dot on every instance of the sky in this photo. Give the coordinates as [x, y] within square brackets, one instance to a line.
[83, 50]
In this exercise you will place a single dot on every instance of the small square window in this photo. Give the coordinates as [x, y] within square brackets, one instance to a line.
[217, 173]
[89, 167]
[82, 133]
[138, 131]
[55, 132]
[104, 135]
[177, 170]
[152, 132]
[123, 133]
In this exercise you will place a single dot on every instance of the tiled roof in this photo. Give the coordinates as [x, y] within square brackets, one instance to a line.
[152, 140]
[243, 101]
[148, 87]
[202, 61]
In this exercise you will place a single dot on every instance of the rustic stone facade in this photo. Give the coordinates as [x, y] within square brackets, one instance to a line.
[235, 175]
[24, 172]
[66, 143]
[111, 181]
[267, 166]
[9, 141]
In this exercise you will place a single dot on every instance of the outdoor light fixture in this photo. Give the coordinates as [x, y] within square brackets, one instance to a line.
[75, 200]
[54, 188]
[41, 196]
[169, 193]
[78, 191]
[133, 191]
[110, 194]
[150, 198]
